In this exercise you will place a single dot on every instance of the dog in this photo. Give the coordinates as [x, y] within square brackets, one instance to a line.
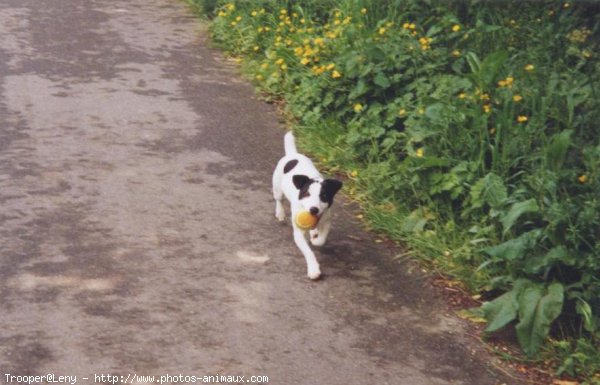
[297, 178]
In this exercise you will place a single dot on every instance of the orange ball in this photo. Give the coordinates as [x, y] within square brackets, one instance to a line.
[305, 220]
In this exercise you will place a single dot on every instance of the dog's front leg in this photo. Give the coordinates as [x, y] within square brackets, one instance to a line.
[312, 266]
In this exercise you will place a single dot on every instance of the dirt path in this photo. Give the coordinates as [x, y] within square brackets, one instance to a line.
[136, 224]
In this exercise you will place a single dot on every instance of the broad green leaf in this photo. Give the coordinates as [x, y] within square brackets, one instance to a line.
[516, 210]
[489, 190]
[556, 151]
[501, 311]
[504, 309]
[538, 307]
[514, 248]
[381, 80]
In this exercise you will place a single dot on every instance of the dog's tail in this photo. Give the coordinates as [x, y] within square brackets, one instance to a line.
[289, 143]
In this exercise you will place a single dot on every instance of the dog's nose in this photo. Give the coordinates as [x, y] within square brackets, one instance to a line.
[314, 210]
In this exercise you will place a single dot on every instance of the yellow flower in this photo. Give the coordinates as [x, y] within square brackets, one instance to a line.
[330, 66]
[230, 6]
[336, 74]
[279, 61]
[456, 53]
[222, 14]
[259, 77]
[283, 12]
[254, 13]
[358, 107]
[582, 178]
[566, 5]
[256, 48]
[522, 119]
[455, 28]
[354, 174]
[381, 30]
[283, 67]
[529, 67]
[239, 18]
[487, 108]
[402, 112]
[317, 70]
[363, 11]
[305, 61]
[420, 152]
[517, 98]
[492, 131]
[462, 95]
[233, 23]
[264, 66]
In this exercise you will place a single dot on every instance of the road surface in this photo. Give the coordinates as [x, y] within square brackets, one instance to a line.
[137, 229]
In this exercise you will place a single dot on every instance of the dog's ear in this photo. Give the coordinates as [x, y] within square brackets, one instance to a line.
[300, 181]
[329, 189]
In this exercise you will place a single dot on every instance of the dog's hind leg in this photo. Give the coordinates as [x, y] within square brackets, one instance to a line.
[312, 266]
[278, 196]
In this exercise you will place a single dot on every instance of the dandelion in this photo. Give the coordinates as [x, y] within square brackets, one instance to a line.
[259, 77]
[230, 6]
[305, 61]
[330, 66]
[517, 98]
[233, 23]
[283, 12]
[420, 152]
[455, 28]
[222, 14]
[239, 18]
[456, 53]
[522, 118]
[402, 112]
[487, 108]
[254, 13]
[354, 174]
[363, 11]
[283, 67]
[566, 5]
[279, 61]
[336, 74]
[358, 107]
[381, 30]
[582, 178]
[256, 48]
[462, 95]
[529, 67]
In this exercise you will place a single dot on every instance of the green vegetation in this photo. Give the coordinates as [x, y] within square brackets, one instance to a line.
[468, 129]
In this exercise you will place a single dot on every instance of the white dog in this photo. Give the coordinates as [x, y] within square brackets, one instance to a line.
[304, 187]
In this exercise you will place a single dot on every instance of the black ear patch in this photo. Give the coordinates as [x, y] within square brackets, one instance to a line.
[329, 187]
[290, 165]
[300, 181]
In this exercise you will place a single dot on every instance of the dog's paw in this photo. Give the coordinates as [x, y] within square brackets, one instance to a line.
[314, 273]
[280, 216]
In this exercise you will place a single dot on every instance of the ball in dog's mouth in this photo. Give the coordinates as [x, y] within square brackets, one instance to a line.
[306, 221]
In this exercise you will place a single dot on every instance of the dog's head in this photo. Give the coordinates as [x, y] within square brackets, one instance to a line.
[316, 195]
